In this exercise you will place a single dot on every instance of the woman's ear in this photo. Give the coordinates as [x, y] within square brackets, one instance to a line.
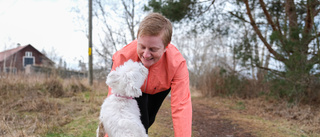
[165, 49]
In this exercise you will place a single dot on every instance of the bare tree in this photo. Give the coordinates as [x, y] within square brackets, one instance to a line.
[109, 18]
[112, 19]
[129, 16]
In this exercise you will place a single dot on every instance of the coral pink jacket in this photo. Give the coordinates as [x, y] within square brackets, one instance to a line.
[169, 72]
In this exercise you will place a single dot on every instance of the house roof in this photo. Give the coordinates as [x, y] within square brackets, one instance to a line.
[10, 52]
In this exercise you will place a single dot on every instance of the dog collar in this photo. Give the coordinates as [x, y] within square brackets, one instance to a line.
[117, 95]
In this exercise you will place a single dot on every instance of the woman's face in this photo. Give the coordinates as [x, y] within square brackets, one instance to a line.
[150, 49]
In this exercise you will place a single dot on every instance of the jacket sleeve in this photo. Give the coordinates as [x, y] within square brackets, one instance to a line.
[181, 106]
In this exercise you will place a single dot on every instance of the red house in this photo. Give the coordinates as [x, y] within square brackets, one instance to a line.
[15, 60]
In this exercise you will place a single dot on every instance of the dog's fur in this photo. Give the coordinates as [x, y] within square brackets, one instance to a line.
[120, 114]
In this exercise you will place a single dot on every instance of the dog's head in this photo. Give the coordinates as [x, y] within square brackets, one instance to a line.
[127, 79]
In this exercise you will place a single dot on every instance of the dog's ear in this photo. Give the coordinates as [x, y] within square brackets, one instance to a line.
[137, 91]
[113, 79]
[133, 91]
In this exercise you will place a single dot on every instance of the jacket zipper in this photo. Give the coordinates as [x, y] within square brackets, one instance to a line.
[145, 89]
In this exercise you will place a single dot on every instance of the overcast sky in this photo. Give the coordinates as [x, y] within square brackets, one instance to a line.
[45, 24]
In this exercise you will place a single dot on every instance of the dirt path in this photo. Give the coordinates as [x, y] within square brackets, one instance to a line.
[208, 123]
[233, 117]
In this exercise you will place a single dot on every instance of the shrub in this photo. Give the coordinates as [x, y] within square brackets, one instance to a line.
[54, 87]
[219, 81]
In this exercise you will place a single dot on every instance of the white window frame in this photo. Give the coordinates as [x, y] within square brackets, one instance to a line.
[34, 60]
[28, 54]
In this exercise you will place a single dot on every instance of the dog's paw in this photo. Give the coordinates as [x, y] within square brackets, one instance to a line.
[100, 131]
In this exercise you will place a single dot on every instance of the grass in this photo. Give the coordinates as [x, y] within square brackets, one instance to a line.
[81, 127]
[31, 107]
[239, 106]
[28, 108]
[85, 119]
[71, 113]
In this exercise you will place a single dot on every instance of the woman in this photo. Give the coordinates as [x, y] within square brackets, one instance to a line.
[167, 72]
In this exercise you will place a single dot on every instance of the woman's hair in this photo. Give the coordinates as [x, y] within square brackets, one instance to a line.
[155, 24]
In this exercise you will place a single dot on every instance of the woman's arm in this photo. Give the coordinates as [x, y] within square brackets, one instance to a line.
[181, 102]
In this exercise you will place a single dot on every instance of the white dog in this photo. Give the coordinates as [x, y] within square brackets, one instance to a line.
[120, 114]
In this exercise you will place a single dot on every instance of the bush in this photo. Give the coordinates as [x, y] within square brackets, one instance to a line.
[54, 87]
[219, 81]
[296, 90]
[75, 86]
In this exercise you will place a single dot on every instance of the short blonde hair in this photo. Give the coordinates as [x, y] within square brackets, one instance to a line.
[156, 24]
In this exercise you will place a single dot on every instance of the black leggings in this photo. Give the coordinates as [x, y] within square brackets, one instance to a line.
[149, 106]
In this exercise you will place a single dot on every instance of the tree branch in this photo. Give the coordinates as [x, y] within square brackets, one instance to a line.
[313, 37]
[268, 16]
[314, 59]
[316, 12]
[309, 17]
[201, 12]
[241, 18]
[256, 29]
[279, 73]
[130, 18]
[269, 19]
[293, 20]
[317, 75]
